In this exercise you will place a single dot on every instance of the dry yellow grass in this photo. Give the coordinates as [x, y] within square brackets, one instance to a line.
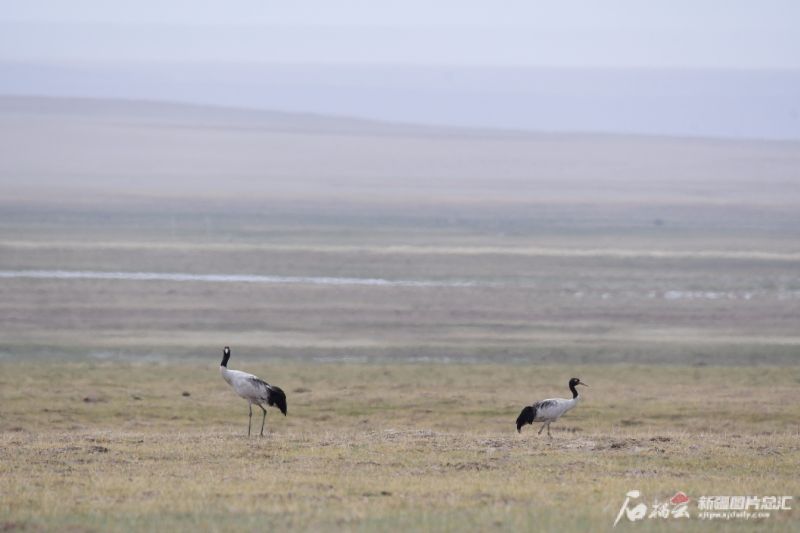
[117, 446]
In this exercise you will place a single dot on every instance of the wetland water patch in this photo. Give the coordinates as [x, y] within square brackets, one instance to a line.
[232, 278]
[671, 294]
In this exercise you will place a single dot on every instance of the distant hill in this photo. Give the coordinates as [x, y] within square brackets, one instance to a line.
[82, 146]
[733, 103]
[208, 115]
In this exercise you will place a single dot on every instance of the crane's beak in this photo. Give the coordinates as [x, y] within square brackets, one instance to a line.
[582, 383]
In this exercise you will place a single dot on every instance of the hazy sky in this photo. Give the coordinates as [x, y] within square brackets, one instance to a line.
[616, 33]
[720, 68]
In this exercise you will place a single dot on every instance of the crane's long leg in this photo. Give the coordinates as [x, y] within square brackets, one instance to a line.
[249, 420]
[548, 430]
[541, 428]
[263, 419]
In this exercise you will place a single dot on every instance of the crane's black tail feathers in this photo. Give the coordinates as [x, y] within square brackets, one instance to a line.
[525, 417]
[277, 398]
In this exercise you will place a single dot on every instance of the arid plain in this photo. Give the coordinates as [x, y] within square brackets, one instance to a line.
[410, 289]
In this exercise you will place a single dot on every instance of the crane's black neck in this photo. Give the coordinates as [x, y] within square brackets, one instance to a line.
[225, 356]
[574, 391]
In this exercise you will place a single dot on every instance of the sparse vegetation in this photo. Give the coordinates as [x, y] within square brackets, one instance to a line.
[118, 446]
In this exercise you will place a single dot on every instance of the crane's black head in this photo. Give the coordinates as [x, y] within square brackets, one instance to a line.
[226, 354]
[572, 383]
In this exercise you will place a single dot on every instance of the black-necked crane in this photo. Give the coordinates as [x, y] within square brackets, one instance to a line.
[550, 410]
[253, 389]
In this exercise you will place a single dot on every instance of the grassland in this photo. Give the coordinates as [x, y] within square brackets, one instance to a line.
[694, 393]
[122, 446]
[663, 272]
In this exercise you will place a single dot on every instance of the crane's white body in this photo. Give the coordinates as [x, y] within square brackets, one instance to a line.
[248, 386]
[552, 409]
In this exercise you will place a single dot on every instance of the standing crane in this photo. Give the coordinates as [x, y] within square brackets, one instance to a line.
[253, 389]
[550, 410]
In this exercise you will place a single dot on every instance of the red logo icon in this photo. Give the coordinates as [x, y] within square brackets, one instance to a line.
[679, 498]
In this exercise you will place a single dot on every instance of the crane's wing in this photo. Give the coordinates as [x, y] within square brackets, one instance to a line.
[273, 395]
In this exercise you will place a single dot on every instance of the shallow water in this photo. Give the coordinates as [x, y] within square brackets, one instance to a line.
[228, 278]
[672, 294]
